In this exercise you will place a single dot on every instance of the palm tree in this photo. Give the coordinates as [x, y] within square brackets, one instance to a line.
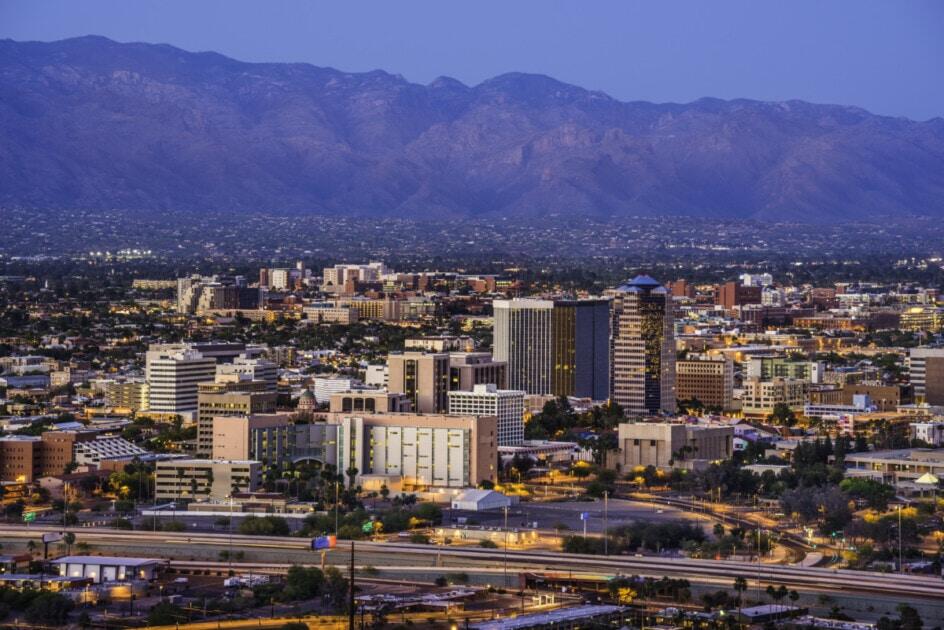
[69, 539]
[740, 585]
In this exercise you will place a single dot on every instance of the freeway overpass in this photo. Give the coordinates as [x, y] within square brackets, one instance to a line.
[413, 559]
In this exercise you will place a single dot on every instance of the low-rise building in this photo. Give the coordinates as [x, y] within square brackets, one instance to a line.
[667, 445]
[761, 396]
[201, 479]
[422, 450]
[900, 468]
[370, 401]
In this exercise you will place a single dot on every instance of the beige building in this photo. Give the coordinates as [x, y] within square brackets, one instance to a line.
[468, 369]
[708, 378]
[423, 377]
[227, 399]
[668, 445]
[202, 479]
[129, 394]
[760, 396]
[370, 401]
[926, 368]
[233, 435]
[419, 450]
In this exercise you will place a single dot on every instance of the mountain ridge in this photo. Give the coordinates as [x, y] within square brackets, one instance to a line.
[89, 122]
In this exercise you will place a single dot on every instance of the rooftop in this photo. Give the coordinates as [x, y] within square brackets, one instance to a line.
[559, 616]
[916, 455]
[107, 560]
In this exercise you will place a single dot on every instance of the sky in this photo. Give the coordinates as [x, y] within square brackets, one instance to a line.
[887, 57]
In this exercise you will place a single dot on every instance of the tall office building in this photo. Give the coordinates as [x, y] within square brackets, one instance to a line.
[522, 339]
[926, 366]
[173, 376]
[580, 357]
[558, 347]
[643, 347]
[423, 377]
[487, 400]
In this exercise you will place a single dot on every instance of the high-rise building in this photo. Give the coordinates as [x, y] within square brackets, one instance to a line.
[643, 347]
[423, 377]
[580, 357]
[926, 366]
[522, 339]
[706, 378]
[558, 347]
[487, 400]
[172, 378]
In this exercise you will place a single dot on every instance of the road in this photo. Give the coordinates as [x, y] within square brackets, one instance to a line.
[411, 559]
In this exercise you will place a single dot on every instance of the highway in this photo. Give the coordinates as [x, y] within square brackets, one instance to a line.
[413, 558]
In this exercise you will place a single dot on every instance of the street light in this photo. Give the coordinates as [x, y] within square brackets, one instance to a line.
[901, 567]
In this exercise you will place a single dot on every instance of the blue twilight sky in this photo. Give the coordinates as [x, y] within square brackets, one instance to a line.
[887, 57]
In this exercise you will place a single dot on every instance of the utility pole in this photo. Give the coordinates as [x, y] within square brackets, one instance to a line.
[901, 567]
[505, 576]
[350, 602]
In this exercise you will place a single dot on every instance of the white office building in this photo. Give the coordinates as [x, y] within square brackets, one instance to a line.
[507, 405]
[324, 387]
[522, 339]
[172, 377]
[251, 369]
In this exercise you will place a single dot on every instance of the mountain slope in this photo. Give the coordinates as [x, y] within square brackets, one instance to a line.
[89, 122]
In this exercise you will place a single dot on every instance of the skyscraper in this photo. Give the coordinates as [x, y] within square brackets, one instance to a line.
[522, 339]
[558, 347]
[172, 377]
[580, 362]
[643, 365]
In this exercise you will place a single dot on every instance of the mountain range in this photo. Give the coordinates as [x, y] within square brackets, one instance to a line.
[93, 123]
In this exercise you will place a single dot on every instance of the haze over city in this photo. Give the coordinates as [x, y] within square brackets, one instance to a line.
[501, 316]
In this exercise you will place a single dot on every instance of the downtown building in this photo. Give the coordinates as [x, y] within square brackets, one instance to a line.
[554, 347]
[643, 348]
[507, 405]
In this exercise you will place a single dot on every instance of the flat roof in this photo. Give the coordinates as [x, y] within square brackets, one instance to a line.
[109, 560]
[916, 455]
[561, 615]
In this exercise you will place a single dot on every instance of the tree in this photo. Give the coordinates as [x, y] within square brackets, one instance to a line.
[740, 585]
[49, 609]
[303, 583]
[782, 415]
[336, 588]
[69, 539]
[166, 614]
